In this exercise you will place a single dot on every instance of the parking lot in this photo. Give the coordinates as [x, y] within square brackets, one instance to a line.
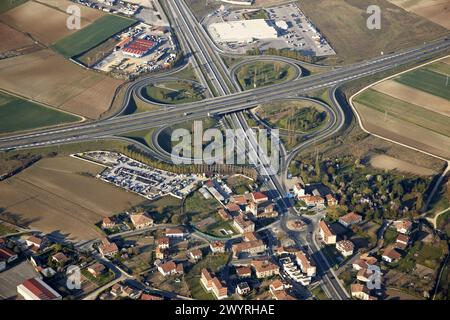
[295, 30]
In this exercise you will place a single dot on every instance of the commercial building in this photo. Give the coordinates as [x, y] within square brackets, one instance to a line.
[36, 289]
[242, 31]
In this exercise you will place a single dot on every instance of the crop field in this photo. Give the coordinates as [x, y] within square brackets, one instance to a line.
[29, 19]
[343, 23]
[62, 195]
[92, 35]
[405, 111]
[437, 11]
[260, 74]
[13, 40]
[412, 108]
[420, 98]
[48, 78]
[428, 81]
[6, 5]
[17, 114]
[385, 162]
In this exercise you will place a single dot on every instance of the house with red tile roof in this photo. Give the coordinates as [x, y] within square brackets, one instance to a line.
[212, 284]
[350, 219]
[326, 234]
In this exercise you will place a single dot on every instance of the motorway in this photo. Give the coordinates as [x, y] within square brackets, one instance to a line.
[227, 99]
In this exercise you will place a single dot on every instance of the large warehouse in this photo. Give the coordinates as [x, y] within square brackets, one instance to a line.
[36, 289]
[242, 31]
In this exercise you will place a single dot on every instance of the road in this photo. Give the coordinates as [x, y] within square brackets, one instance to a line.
[220, 105]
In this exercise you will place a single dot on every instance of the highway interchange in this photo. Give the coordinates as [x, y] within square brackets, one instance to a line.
[226, 98]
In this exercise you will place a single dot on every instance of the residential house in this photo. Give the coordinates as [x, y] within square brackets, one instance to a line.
[403, 226]
[250, 247]
[217, 247]
[160, 253]
[259, 197]
[141, 221]
[360, 292]
[345, 247]
[402, 241]
[243, 289]
[7, 255]
[364, 275]
[265, 268]
[250, 236]
[116, 290]
[331, 200]
[212, 284]
[147, 296]
[326, 234]
[350, 219]
[170, 268]
[108, 249]
[108, 223]
[224, 214]
[195, 254]
[163, 242]
[96, 269]
[36, 242]
[313, 201]
[390, 254]
[175, 233]
[299, 191]
[305, 264]
[233, 208]
[243, 272]
[60, 258]
[243, 225]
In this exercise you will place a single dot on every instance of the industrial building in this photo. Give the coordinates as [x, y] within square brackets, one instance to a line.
[138, 48]
[36, 289]
[242, 31]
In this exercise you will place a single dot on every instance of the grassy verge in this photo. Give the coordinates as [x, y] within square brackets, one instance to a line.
[262, 73]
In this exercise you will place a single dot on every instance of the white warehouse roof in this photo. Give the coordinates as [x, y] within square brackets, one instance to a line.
[242, 31]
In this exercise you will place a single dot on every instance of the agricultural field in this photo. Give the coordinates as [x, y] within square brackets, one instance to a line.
[436, 11]
[92, 35]
[260, 74]
[351, 38]
[423, 122]
[28, 18]
[384, 162]
[13, 40]
[9, 4]
[17, 114]
[174, 92]
[91, 57]
[62, 196]
[48, 78]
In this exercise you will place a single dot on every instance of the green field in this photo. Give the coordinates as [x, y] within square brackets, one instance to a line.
[6, 5]
[92, 35]
[439, 67]
[405, 111]
[426, 80]
[174, 92]
[17, 114]
[260, 74]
